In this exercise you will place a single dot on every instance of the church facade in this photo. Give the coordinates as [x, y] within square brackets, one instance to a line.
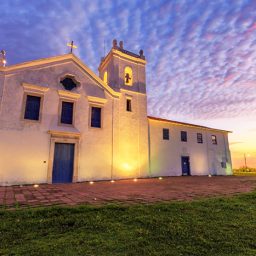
[60, 123]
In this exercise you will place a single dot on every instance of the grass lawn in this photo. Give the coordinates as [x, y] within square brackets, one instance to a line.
[222, 226]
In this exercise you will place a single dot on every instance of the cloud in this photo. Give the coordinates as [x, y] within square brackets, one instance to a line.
[201, 54]
[235, 143]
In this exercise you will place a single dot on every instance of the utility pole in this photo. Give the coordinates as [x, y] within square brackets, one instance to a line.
[245, 162]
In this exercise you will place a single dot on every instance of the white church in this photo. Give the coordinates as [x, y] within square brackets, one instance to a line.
[61, 123]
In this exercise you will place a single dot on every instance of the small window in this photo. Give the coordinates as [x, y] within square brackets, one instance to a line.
[183, 136]
[67, 112]
[128, 79]
[223, 165]
[199, 138]
[69, 83]
[128, 105]
[96, 117]
[166, 135]
[214, 139]
[32, 108]
[105, 77]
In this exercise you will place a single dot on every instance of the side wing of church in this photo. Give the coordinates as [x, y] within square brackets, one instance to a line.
[60, 123]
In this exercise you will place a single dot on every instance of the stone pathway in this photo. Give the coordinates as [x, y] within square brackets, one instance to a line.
[126, 191]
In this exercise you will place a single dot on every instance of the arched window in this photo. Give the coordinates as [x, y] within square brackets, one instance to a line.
[105, 77]
[128, 76]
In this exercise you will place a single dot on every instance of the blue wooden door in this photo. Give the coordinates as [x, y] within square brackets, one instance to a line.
[185, 165]
[63, 163]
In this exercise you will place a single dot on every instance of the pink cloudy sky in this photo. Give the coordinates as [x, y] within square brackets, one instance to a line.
[201, 54]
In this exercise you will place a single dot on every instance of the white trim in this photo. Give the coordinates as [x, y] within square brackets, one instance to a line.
[123, 56]
[68, 134]
[68, 95]
[32, 88]
[97, 100]
[131, 91]
[71, 76]
[91, 105]
[66, 57]
[63, 137]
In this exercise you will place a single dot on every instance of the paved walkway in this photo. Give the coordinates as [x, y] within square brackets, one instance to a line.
[127, 191]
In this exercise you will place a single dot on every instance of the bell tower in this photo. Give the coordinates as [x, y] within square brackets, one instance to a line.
[124, 72]
[122, 69]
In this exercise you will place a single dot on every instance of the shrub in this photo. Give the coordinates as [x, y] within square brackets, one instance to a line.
[244, 170]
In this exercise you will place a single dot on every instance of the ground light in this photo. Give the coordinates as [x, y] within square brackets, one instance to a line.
[160, 178]
[209, 175]
[135, 179]
[112, 181]
[36, 186]
[91, 182]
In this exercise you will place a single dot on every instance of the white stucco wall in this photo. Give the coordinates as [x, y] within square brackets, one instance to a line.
[1, 89]
[25, 145]
[130, 137]
[117, 150]
[206, 158]
[120, 149]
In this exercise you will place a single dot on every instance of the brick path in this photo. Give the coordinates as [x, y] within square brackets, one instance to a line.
[127, 191]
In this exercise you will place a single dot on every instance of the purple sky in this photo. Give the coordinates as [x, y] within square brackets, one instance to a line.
[201, 54]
